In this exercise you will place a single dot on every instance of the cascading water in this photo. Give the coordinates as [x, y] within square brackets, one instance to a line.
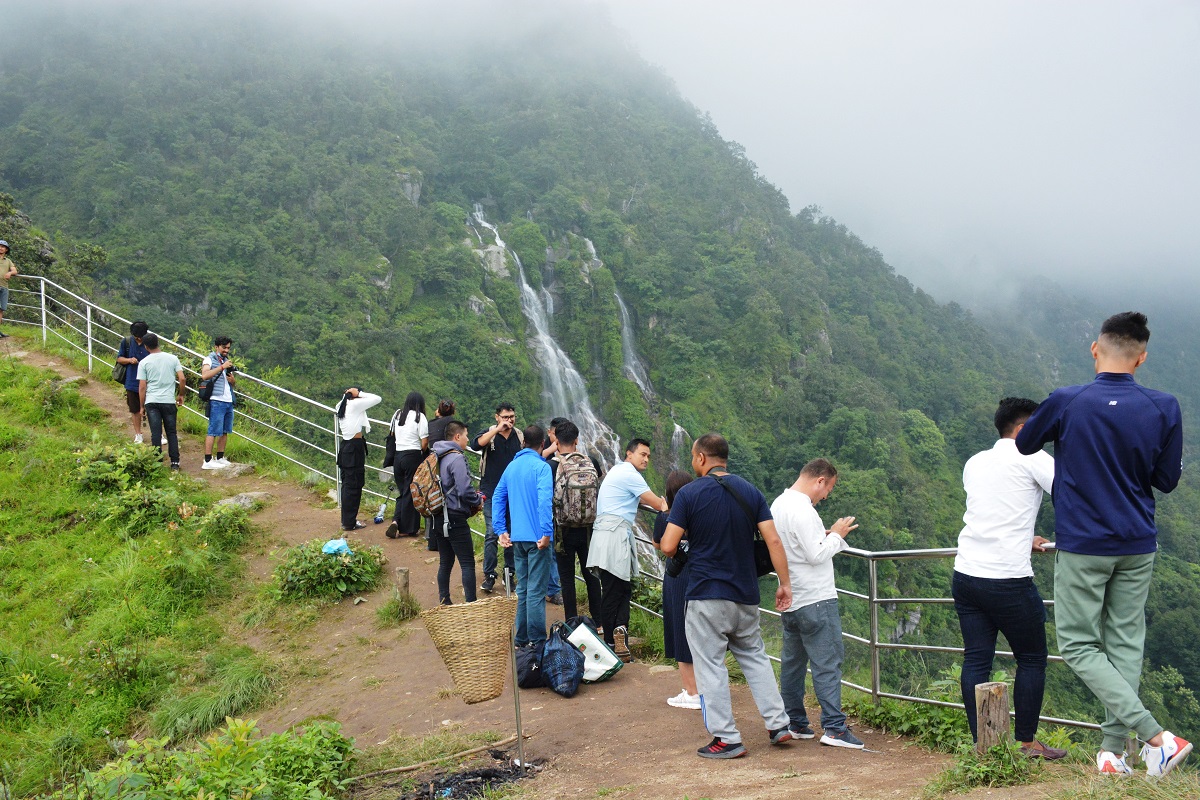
[679, 445]
[563, 389]
[634, 370]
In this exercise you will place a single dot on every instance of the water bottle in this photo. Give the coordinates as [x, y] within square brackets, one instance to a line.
[379, 513]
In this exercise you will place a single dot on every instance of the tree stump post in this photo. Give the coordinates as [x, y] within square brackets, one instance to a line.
[402, 579]
[991, 715]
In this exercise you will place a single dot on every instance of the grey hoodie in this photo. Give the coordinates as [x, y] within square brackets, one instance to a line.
[456, 478]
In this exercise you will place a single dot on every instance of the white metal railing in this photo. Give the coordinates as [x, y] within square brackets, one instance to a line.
[56, 310]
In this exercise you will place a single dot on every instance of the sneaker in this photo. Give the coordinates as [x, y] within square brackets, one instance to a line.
[684, 700]
[210, 465]
[137, 438]
[1164, 758]
[175, 466]
[1036, 749]
[488, 585]
[718, 749]
[555, 599]
[224, 462]
[162, 442]
[358, 526]
[802, 732]
[393, 530]
[3, 335]
[621, 646]
[780, 736]
[1112, 764]
[842, 738]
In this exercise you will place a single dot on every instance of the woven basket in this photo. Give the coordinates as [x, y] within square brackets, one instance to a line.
[475, 642]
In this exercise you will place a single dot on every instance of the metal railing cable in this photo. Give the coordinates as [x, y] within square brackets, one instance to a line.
[92, 314]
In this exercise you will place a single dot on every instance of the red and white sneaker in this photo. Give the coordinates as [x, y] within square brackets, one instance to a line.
[1112, 764]
[1164, 758]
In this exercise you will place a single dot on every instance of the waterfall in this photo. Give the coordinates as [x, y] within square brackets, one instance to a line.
[634, 370]
[679, 445]
[563, 389]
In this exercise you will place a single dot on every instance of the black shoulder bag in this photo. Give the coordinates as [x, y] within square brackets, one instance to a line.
[762, 556]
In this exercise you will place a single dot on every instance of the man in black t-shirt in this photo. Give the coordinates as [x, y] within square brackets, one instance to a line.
[719, 513]
[499, 445]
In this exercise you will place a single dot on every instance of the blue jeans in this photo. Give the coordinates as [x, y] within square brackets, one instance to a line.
[813, 635]
[533, 576]
[491, 543]
[554, 586]
[220, 418]
[1012, 606]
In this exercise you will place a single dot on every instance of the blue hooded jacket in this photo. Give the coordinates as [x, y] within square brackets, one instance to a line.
[525, 492]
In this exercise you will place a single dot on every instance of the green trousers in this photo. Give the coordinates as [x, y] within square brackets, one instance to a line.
[1100, 617]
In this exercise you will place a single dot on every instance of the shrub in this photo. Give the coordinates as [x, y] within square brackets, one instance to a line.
[308, 572]
[241, 685]
[1002, 765]
[103, 468]
[225, 527]
[400, 607]
[19, 692]
[141, 509]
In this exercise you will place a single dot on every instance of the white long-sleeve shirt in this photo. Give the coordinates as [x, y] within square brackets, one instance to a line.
[356, 421]
[810, 550]
[1004, 493]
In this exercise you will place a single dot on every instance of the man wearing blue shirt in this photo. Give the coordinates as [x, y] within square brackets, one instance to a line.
[524, 497]
[1115, 442]
[719, 513]
[612, 554]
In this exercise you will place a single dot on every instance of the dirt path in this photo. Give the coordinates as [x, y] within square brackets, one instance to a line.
[617, 738]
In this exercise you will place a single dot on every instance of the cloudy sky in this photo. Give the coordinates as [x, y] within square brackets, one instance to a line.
[965, 140]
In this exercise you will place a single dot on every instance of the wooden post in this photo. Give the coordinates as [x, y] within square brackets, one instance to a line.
[402, 579]
[991, 715]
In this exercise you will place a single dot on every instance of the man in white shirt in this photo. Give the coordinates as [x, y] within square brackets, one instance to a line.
[220, 370]
[812, 628]
[993, 577]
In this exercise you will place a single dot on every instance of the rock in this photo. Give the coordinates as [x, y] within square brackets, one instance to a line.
[657, 668]
[19, 354]
[246, 500]
[332, 495]
[233, 471]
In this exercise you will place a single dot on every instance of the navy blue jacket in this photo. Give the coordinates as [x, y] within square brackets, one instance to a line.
[1115, 441]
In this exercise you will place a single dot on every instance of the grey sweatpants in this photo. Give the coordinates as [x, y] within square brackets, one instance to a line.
[714, 626]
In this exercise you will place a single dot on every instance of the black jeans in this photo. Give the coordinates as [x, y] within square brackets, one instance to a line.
[575, 546]
[160, 416]
[408, 521]
[614, 603]
[1011, 606]
[352, 464]
[457, 545]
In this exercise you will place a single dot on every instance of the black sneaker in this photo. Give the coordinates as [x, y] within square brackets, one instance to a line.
[842, 738]
[3, 335]
[802, 732]
[174, 466]
[718, 749]
[780, 736]
[488, 585]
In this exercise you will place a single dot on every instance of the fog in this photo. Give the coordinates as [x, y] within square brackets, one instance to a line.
[969, 142]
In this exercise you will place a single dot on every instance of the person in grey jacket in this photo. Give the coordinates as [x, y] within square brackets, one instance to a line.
[450, 528]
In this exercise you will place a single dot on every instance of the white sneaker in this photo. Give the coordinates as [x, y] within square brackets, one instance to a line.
[1164, 758]
[162, 442]
[1112, 764]
[224, 462]
[684, 700]
[137, 438]
[214, 464]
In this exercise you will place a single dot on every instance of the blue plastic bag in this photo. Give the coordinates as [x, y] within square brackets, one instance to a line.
[562, 663]
[336, 547]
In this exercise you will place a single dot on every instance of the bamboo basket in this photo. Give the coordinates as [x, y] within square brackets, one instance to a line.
[475, 642]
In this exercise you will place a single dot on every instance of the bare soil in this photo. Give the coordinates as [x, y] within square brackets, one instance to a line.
[616, 738]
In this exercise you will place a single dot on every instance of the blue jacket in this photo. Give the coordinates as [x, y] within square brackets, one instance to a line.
[525, 492]
[1115, 441]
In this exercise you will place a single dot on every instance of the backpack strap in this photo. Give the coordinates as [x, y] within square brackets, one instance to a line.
[745, 506]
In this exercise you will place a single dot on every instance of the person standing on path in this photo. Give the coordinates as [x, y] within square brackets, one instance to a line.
[499, 444]
[130, 353]
[218, 368]
[993, 585]
[451, 532]
[161, 387]
[1115, 442]
[353, 424]
[411, 430]
[719, 513]
[674, 605]
[571, 541]
[8, 270]
[812, 629]
[524, 496]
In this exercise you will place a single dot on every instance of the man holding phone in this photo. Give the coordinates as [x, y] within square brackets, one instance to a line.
[499, 444]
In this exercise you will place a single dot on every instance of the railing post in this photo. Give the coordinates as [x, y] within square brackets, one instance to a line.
[43, 282]
[873, 600]
[337, 473]
[89, 338]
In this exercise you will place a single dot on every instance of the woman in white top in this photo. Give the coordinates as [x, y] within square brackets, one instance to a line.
[411, 430]
[352, 454]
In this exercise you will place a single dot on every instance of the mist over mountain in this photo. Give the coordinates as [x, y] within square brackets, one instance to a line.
[319, 182]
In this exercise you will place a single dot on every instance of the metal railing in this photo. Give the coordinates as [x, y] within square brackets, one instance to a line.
[57, 310]
[306, 424]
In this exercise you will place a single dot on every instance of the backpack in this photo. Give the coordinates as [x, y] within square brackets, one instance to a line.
[124, 351]
[426, 486]
[576, 487]
[562, 662]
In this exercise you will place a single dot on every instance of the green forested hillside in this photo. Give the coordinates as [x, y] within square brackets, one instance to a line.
[303, 184]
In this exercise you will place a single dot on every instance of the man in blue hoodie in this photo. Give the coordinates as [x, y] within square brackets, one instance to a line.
[451, 531]
[524, 497]
[1115, 442]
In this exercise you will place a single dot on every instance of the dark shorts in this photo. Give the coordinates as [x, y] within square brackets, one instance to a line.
[3, 298]
[133, 401]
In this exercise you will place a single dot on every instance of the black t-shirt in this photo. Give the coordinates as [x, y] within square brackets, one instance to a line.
[497, 455]
[437, 429]
[720, 538]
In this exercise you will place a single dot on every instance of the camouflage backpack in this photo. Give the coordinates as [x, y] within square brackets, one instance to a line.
[426, 487]
[576, 487]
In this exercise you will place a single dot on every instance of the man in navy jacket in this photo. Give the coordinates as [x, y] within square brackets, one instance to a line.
[1115, 442]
